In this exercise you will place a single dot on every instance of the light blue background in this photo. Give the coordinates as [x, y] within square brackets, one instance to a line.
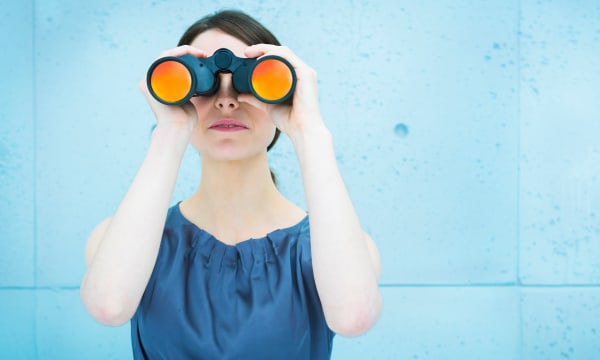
[466, 131]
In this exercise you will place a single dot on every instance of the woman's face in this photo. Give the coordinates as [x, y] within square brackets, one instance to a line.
[228, 129]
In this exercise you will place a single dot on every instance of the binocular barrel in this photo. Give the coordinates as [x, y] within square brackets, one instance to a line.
[174, 80]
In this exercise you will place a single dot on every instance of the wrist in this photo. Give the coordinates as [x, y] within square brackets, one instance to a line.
[316, 139]
[171, 136]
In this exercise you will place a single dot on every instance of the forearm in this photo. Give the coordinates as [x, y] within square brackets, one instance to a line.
[124, 259]
[345, 271]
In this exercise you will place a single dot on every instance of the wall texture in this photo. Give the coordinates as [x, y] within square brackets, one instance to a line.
[466, 132]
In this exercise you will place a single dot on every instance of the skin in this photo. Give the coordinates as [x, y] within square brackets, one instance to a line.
[236, 199]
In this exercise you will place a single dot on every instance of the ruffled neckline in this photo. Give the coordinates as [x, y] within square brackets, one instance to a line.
[213, 251]
[293, 229]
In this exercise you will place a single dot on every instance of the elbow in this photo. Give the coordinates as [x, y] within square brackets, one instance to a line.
[106, 310]
[357, 319]
[108, 316]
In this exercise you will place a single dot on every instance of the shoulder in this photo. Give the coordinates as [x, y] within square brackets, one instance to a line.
[293, 240]
[299, 236]
[174, 216]
[178, 231]
[299, 231]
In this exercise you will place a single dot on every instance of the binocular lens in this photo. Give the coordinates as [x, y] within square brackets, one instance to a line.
[272, 80]
[171, 81]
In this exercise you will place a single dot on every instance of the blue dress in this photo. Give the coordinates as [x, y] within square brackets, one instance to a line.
[209, 300]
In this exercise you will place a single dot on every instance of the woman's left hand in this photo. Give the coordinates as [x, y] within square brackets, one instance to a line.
[303, 114]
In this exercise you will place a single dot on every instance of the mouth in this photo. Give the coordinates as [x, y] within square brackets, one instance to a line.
[228, 125]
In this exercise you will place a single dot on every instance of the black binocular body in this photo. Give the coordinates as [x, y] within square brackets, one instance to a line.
[174, 80]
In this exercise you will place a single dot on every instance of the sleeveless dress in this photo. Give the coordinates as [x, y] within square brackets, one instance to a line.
[209, 300]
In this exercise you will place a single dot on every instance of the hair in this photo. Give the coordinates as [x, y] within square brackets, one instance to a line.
[239, 25]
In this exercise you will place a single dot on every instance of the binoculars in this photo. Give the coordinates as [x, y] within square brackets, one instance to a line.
[174, 80]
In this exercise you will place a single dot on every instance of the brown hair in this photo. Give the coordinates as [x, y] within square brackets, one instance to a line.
[236, 24]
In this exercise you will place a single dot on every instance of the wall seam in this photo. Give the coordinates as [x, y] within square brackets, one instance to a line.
[34, 180]
[519, 287]
[473, 285]
[38, 288]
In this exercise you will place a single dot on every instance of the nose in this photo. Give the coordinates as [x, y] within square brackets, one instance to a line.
[226, 95]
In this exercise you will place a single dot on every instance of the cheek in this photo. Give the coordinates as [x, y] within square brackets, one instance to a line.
[202, 104]
[197, 141]
[267, 130]
[272, 134]
[260, 116]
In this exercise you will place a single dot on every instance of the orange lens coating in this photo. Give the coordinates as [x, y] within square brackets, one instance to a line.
[171, 81]
[272, 79]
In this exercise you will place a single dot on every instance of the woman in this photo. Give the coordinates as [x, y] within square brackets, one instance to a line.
[235, 271]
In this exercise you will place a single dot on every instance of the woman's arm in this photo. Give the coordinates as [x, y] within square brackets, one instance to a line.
[345, 260]
[122, 250]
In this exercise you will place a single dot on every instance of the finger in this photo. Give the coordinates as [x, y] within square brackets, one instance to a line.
[260, 50]
[254, 51]
[184, 50]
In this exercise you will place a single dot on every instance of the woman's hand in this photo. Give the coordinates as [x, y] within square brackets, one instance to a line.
[183, 115]
[304, 114]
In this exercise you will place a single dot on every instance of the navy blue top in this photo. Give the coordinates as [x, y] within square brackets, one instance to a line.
[209, 300]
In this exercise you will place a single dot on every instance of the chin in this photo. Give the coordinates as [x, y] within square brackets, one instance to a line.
[232, 154]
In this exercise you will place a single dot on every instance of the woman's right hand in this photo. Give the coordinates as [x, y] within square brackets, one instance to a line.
[183, 115]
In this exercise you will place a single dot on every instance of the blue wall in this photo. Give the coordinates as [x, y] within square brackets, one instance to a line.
[466, 132]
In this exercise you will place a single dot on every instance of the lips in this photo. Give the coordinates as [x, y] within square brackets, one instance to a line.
[228, 125]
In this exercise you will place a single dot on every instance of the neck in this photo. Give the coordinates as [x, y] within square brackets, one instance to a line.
[233, 189]
[237, 200]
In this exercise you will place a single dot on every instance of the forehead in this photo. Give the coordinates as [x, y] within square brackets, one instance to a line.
[213, 39]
